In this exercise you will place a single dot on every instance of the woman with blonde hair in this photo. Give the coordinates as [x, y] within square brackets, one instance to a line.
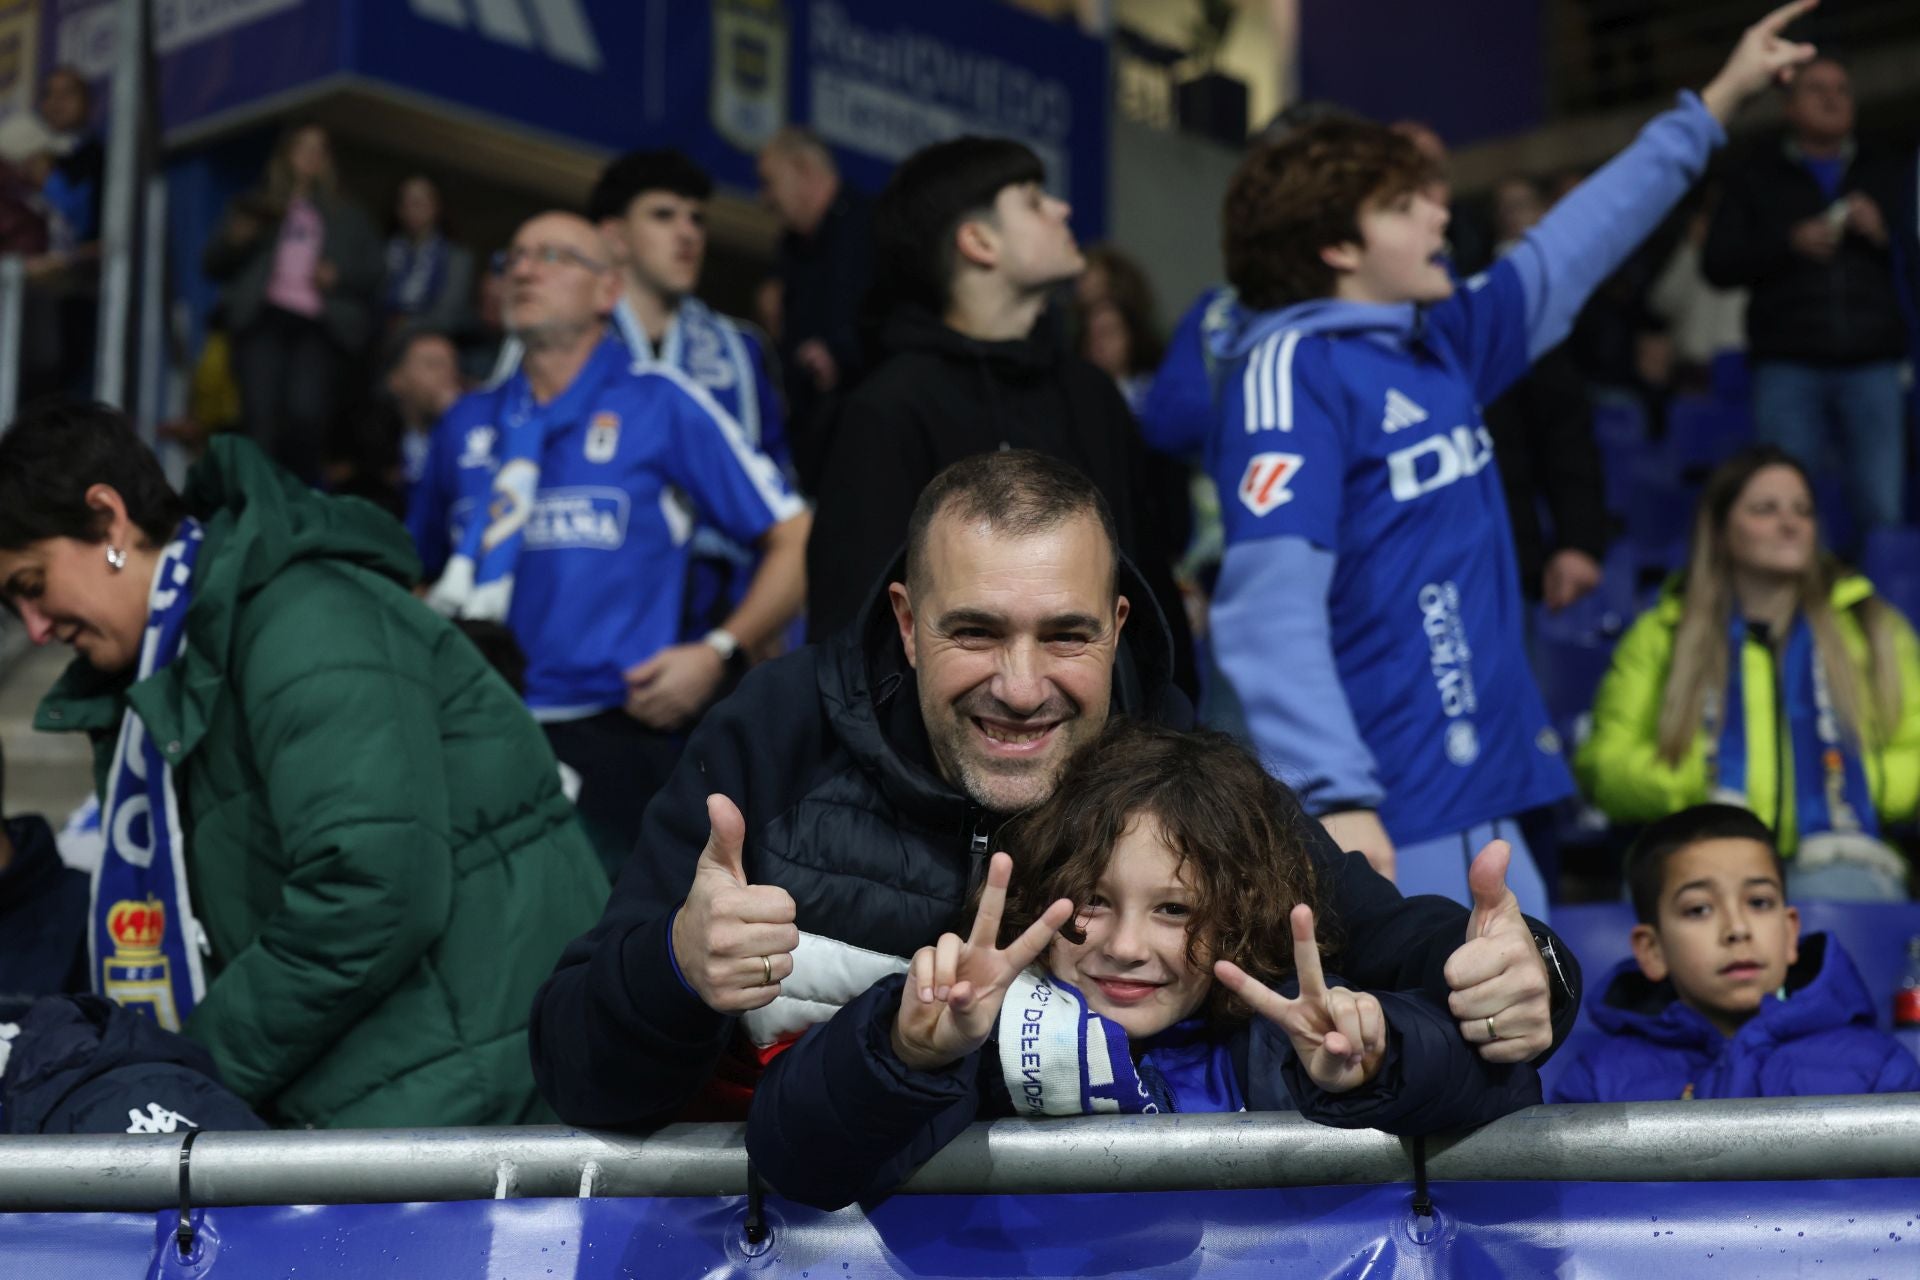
[1771, 676]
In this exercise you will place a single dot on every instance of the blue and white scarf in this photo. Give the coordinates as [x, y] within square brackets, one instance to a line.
[478, 579]
[1059, 1058]
[414, 273]
[145, 943]
[708, 350]
[1830, 792]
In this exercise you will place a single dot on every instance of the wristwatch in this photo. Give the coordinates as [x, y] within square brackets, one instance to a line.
[721, 641]
[1560, 992]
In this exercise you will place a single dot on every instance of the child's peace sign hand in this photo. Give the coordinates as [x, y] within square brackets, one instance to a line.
[954, 988]
[1340, 1035]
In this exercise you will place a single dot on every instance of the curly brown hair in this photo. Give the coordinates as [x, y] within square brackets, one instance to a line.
[1293, 198]
[1238, 835]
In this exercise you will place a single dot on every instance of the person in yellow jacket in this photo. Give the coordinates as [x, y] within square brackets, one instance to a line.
[1770, 676]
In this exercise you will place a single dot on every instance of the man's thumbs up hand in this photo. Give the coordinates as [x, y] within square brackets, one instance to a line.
[733, 940]
[1500, 994]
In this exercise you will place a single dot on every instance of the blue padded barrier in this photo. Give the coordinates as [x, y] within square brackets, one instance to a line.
[1704, 1231]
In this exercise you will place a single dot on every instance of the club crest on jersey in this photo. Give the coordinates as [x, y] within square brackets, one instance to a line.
[478, 449]
[603, 437]
[1263, 486]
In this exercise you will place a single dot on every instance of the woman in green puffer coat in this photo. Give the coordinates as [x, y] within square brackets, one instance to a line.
[1770, 677]
[337, 850]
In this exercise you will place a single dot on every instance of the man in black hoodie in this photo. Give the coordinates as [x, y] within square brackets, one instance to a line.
[968, 249]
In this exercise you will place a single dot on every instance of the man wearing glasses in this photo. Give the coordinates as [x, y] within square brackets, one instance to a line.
[547, 504]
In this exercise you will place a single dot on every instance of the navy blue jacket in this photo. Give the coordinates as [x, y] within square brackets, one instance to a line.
[83, 1064]
[839, 1117]
[1820, 1041]
[43, 920]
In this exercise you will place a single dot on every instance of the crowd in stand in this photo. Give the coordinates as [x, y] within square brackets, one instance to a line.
[796, 721]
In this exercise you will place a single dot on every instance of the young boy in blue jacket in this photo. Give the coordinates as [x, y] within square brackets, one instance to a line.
[1723, 998]
[1368, 611]
[1171, 899]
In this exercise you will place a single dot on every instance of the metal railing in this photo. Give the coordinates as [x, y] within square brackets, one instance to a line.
[1781, 1139]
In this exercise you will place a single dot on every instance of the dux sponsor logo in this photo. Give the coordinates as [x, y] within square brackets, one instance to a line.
[1401, 413]
[1264, 485]
[557, 28]
[1438, 461]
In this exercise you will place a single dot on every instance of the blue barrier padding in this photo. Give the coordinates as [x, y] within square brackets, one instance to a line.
[1875, 934]
[1638, 1230]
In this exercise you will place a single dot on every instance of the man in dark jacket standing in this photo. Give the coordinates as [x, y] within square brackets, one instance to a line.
[834, 814]
[825, 258]
[968, 249]
[1804, 226]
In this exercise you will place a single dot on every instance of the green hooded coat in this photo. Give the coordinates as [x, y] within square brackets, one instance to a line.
[376, 841]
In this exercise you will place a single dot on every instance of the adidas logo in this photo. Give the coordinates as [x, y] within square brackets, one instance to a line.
[1401, 413]
[559, 28]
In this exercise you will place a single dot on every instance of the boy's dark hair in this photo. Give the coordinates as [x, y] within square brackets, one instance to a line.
[1240, 839]
[54, 452]
[1291, 199]
[1647, 858]
[1018, 491]
[638, 172]
[932, 192]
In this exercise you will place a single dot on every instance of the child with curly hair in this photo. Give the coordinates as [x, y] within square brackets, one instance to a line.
[1152, 948]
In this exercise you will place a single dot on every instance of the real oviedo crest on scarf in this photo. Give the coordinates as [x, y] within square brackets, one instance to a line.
[135, 974]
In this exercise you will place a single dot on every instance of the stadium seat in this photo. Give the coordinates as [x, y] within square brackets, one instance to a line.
[1892, 560]
[1703, 432]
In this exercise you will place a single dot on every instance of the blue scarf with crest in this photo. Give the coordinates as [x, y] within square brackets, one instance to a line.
[144, 942]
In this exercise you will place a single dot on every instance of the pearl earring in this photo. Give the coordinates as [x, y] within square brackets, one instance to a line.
[116, 559]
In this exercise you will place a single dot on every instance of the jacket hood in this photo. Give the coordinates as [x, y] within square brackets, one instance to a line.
[1395, 321]
[259, 520]
[1824, 991]
[863, 670]
[914, 328]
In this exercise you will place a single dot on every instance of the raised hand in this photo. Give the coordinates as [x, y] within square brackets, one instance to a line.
[1500, 994]
[955, 988]
[1761, 57]
[1340, 1034]
[733, 941]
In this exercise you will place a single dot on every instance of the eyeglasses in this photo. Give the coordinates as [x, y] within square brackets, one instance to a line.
[545, 255]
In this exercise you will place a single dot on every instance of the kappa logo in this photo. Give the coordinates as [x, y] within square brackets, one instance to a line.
[558, 28]
[1401, 413]
[1264, 484]
[603, 437]
[157, 1119]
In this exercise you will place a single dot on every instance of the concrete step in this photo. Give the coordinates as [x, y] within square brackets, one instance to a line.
[46, 773]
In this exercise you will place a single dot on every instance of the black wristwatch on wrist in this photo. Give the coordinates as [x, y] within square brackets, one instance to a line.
[1560, 993]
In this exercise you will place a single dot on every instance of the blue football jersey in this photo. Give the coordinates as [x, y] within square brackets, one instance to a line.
[599, 583]
[1359, 430]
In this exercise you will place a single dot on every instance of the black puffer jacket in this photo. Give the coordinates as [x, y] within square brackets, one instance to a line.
[1842, 311]
[825, 753]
